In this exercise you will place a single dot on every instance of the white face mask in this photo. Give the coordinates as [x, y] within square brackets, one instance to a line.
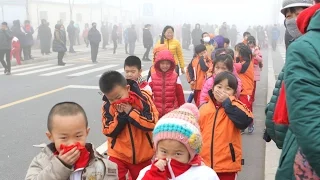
[206, 39]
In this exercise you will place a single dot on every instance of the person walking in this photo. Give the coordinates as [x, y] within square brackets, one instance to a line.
[132, 38]
[71, 29]
[147, 41]
[94, 37]
[5, 47]
[115, 38]
[59, 43]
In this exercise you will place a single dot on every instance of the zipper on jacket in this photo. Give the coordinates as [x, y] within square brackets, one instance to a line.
[149, 140]
[212, 137]
[163, 93]
[233, 154]
[132, 145]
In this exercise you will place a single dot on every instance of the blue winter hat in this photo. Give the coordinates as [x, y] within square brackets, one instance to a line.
[219, 40]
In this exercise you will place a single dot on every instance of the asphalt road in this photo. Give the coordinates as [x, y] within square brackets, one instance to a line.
[28, 95]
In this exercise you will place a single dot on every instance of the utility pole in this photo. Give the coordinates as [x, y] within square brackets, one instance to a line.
[27, 9]
[71, 9]
[2, 11]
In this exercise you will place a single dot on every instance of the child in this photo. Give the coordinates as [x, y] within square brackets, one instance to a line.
[133, 70]
[197, 71]
[223, 62]
[156, 49]
[166, 84]
[226, 43]
[177, 140]
[244, 56]
[128, 118]
[16, 50]
[245, 37]
[206, 41]
[69, 156]
[257, 62]
[221, 119]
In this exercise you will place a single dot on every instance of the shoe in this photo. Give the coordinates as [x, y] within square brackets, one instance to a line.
[251, 129]
[8, 73]
[94, 62]
[61, 63]
[5, 71]
[242, 131]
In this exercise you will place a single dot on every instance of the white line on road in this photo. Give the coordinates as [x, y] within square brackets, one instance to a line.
[119, 70]
[18, 66]
[68, 70]
[93, 70]
[30, 68]
[42, 70]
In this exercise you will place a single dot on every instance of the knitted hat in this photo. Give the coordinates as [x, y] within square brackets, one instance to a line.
[180, 125]
[295, 3]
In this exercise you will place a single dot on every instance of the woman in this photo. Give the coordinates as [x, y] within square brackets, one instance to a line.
[115, 38]
[59, 43]
[174, 46]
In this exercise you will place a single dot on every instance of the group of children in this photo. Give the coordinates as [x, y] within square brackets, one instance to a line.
[152, 133]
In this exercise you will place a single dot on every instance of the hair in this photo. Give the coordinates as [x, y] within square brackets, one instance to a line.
[246, 34]
[317, 1]
[226, 40]
[4, 23]
[57, 26]
[111, 79]
[163, 33]
[225, 59]
[224, 51]
[201, 40]
[232, 80]
[147, 25]
[252, 40]
[133, 61]
[65, 109]
[94, 23]
[244, 51]
[27, 21]
[198, 49]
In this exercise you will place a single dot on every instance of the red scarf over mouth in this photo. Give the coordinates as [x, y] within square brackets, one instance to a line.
[133, 100]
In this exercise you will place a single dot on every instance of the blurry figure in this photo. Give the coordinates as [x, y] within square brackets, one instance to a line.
[45, 36]
[85, 34]
[27, 29]
[275, 37]
[94, 37]
[72, 36]
[186, 36]
[16, 50]
[115, 38]
[223, 31]
[5, 47]
[233, 33]
[105, 35]
[226, 43]
[17, 32]
[77, 34]
[206, 41]
[126, 41]
[132, 38]
[59, 43]
[147, 41]
[196, 35]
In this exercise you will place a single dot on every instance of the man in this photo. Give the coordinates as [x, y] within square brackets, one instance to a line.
[94, 37]
[275, 36]
[72, 35]
[147, 41]
[5, 47]
[132, 38]
[105, 34]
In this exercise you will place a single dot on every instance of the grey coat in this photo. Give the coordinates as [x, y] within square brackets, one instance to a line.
[5, 39]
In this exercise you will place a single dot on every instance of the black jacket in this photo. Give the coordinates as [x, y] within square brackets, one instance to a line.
[94, 36]
[5, 39]
[147, 38]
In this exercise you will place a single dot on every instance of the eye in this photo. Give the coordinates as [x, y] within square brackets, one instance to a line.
[163, 151]
[79, 136]
[63, 137]
[178, 154]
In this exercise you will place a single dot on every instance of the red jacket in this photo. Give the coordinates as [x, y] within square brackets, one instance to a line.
[166, 86]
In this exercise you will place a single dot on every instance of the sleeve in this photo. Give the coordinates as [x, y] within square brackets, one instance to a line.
[205, 89]
[112, 125]
[238, 113]
[48, 171]
[258, 56]
[245, 66]
[145, 119]
[152, 174]
[190, 73]
[203, 64]
[8, 33]
[301, 77]
[32, 30]
[180, 55]
[179, 93]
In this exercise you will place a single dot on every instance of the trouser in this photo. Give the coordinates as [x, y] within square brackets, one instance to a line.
[86, 41]
[115, 45]
[146, 54]
[274, 44]
[94, 51]
[26, 52]
[197, 97]
[248, 101]
[254, 91]
[126, 47]
[124, 168]
[72, 40]
[60, 57]
[16, 53]
[227, 176]
[6, 66]
[132, 46]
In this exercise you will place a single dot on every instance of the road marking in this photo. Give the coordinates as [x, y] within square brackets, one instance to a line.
[18, 66]
[42, 70]
[102, 148]
[119, 70]
[30, 68]
[68, 70]
[93, 70]
[32, 97]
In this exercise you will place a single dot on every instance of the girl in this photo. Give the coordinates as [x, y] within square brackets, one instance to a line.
[197, 71]
[177, 141]
[257, 62]
[223, 62]
[206, 41]
[221, 119]
[174, 46]
[246, 74]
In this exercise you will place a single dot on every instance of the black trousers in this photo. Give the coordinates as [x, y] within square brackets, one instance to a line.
[26, 52]
[115, 46]
[146, 54]
[94, 51]
[60, 57]
[3, 53]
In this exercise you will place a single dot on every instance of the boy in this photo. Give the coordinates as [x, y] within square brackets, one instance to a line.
[226, 43]
[128, 118]
[69, 156]
[245, 37]
[166, 84]
[132, 68]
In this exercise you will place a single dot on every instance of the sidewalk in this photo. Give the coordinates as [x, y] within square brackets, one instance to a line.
[272, 154]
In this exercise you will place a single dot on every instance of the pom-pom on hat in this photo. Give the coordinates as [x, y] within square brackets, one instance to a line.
[180, 125]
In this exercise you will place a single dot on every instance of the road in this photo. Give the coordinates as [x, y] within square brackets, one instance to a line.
[28, 95]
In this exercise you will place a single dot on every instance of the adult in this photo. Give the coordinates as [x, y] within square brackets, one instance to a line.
[27, 29]
[275, 36]
[301, 149]
[5, 47]
[167, 38]
[132, 38]
[115, 38]
[223, 31]
[186, 36]
[147, 41]
[71, 29]
[17, 32]
[45, 36]
[196, 35]
[94, 37]
[59, 43]
[105, 35]
[233, 33]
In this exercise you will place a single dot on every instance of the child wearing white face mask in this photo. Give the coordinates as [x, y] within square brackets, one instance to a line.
[206, 41]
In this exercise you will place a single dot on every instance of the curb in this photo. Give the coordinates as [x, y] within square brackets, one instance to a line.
[272, 153]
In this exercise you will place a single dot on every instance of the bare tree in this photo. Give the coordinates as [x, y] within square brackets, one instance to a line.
[71, 9]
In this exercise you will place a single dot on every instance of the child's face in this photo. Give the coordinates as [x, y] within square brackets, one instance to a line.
[172, 149]
[223, 86]
[220, 67]
[251, 45]
[117, 93]
[68, 130]
[203, 53]
[165, 66]
[132, 72]
[226, 45]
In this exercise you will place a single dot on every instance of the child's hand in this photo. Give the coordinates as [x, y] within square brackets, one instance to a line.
[70, 157]
[221, 96]
[126, 108]
[161, 164]
[192, 83]
[119, 108]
